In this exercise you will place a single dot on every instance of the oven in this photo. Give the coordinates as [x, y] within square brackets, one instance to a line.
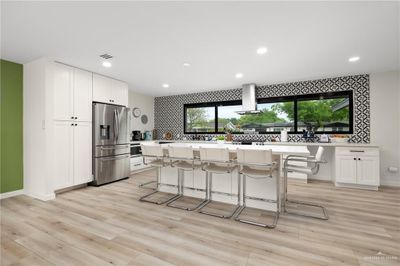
[136, 150]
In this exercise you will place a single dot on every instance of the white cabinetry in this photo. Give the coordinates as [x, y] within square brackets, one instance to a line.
[63, 135]
[72, 91]
[57, 127]
[82, 91]
[73, 163]
[357, 166]
[107, 90]
[82, 153]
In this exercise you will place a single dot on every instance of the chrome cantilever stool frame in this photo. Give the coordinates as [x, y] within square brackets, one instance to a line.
[257, 164]
[155, 154]
[183, 159]
[315, 162]
[216, 161]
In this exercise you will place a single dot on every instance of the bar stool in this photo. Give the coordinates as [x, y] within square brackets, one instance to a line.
[216, 161]
[154, 155]
[182, 157]
[257, 164]
[315, 162]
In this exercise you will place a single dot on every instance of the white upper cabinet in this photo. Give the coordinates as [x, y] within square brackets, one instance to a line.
[72, 89]
[82, 92]
[107, 90]
[120, 90]
[101, 89]
[63, 92]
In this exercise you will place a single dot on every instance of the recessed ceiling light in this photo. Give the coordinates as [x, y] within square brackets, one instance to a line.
[354, 59]
[106, 64]
[239, 75]
[262, 50]
[165, 85]
[186, 64]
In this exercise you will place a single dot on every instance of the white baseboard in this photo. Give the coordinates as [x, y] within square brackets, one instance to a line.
[390, 182]
[11, 194]
[43, 197]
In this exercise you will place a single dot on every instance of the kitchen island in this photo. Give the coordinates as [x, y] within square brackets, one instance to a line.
[225, 185]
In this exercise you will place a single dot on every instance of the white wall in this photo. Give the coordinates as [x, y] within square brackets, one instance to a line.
[146, 105]
[385, 122]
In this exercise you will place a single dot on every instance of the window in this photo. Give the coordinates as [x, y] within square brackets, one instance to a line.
[275, 116]
[228, 119]
[200, 119]
[324, 113]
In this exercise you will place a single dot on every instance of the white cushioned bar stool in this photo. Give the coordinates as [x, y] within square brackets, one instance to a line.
[153, 155]
[182, 158]
[216, 161]
[312, 168]
[257, 164]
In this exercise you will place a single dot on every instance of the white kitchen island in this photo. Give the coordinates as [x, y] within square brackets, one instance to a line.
[194, 181]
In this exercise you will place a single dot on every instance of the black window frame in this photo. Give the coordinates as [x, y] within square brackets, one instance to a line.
[294, 98]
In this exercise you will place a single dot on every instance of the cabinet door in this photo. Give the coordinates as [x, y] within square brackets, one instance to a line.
[346, 169]
[82, 95]
[368, 170]
[82, 153]
[102, 89]
[120, 92]
[63, 132]
[63, 92]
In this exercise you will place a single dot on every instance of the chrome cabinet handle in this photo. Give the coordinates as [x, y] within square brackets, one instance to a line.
[357, 151]
[116, 148]
[114, 158]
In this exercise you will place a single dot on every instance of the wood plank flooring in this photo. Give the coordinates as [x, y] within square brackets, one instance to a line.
[108, 225]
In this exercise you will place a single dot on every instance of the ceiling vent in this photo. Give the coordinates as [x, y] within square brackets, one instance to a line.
[106, 56]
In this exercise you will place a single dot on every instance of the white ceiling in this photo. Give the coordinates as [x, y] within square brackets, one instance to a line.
[151, 41]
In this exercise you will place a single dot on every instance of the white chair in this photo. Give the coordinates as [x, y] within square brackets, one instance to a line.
[312, 168]
[216, 161]
[154, 155]
[182, 158]
[257, 164]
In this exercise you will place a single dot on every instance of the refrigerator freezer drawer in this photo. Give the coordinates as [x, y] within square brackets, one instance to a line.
[112, 150]
[108, 169]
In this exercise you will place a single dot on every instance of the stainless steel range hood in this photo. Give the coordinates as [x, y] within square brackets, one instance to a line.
[249, 102]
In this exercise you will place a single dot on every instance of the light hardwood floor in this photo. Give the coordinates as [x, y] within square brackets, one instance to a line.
[108, 225]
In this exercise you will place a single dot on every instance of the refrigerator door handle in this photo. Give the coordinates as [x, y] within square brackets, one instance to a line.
[115, 124]
[118, 124]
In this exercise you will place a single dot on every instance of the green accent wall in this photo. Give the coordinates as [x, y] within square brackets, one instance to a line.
[11, 166]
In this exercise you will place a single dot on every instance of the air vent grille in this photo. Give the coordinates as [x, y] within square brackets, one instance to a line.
[106, 56]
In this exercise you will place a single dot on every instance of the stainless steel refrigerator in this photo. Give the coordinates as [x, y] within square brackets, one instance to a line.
[111, 148]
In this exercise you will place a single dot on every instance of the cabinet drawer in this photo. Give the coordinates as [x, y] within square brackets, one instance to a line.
[354, 151]
[137, 160]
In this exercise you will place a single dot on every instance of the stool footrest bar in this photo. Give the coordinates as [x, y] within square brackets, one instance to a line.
[300, 213]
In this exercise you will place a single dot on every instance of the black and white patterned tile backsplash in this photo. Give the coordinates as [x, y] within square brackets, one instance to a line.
[168, 110]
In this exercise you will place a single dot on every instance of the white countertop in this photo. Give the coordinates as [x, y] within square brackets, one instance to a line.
[330, 144]
[276, 149]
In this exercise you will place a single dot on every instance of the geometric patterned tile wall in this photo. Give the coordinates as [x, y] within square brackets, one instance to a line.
[168, 110]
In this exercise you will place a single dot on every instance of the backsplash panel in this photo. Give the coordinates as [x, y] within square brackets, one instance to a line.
[168, 110]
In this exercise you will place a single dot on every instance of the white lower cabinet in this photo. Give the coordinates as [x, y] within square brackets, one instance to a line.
[82, 154]
[73, 153]
[355, 166]
[63, 149]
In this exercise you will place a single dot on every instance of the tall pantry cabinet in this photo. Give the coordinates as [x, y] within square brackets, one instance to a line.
[57, 127]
